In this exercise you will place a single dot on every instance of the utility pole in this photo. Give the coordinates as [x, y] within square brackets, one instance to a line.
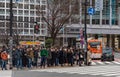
[11, 31]
[85, 32]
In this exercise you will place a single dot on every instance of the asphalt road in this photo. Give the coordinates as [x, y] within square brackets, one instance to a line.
[48, 74]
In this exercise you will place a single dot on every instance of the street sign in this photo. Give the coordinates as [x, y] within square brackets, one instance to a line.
[91, 11]
[98, 5]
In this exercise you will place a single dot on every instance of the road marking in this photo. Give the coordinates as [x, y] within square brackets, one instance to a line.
[93, 63]
[100, 62]
[116, 62]
[108, 62]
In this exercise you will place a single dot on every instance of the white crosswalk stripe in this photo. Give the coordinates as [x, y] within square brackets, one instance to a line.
[108, 70]
[105, 63]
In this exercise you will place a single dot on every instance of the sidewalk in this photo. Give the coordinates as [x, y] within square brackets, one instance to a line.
[6, 73]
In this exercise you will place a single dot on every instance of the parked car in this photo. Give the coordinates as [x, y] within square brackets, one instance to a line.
[107, 54]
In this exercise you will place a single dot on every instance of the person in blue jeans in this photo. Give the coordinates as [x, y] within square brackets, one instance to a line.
[4, 58]
[18, 54]
[30, 56]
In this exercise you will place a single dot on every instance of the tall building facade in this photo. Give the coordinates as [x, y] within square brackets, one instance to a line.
[25, 14]
[105, 24]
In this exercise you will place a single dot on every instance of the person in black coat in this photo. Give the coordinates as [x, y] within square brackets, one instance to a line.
[54, 56]
[36, 50]
[61, 57]
[70, 57]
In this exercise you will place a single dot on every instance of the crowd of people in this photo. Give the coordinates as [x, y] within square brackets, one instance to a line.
[29, 57]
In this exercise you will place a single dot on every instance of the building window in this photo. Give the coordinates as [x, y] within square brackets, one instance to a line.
[31, 31]
[2, 4]
[31, 19]
[8, 12]
[26, 25]
[20, 12]
[26, 19]
[32, 13]
[26, 31]
[43, 2]
[32, 1]
[2, 11]
[43, 7]
[43, 26]
[2, 17]
[31, 6]
[26, 0]
[38, 19]
[2, 24]
[31, 25]
[26, 6]
[72, 30]
[20, 6]
[20, 25]
[14, 11]
[26, 12]
[7, 5]
[20, 18]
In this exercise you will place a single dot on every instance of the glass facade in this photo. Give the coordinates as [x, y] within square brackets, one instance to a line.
[96, 17]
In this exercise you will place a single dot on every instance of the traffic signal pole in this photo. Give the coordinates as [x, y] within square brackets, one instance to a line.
[11, 31]
[85, 32]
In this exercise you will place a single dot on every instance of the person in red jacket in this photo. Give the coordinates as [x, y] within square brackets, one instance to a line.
[4, 58]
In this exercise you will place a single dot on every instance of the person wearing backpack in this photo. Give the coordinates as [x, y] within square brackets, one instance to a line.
[4, 58]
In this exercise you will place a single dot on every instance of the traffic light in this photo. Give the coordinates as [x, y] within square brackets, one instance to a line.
[36, 29]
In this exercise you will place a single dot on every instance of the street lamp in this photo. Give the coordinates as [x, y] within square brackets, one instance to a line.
[85, 32]
[11, 31]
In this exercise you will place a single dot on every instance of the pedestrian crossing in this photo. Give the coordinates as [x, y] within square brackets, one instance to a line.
[104, 71]
[105, 63]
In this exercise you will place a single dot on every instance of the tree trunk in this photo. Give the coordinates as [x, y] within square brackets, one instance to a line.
[53, 38]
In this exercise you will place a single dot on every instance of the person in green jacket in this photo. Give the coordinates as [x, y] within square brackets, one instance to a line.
[43, 54]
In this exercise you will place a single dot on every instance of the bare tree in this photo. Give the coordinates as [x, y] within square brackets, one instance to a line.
[58, 15]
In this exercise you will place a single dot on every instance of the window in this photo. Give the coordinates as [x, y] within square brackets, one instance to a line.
[31, 25]
[42, 25]
[14, 12]
[26, 19]
[32, 1]
[20, 6]
[15, 18]
[26, 6]
[32, 13]
[43, 2]
[20, 18]
[2, 4]
[26, 25]
[31, 31]
[26, 12]
[20, 31]
[20, 12]
[20, 25]
[32, 19]
[2, 24]
[2, 11]
[8, 12]
[2, 17]
[7, 5]
[71, 29]
[26, 31]
[43, 7]
[26, 0]
[31, 6]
